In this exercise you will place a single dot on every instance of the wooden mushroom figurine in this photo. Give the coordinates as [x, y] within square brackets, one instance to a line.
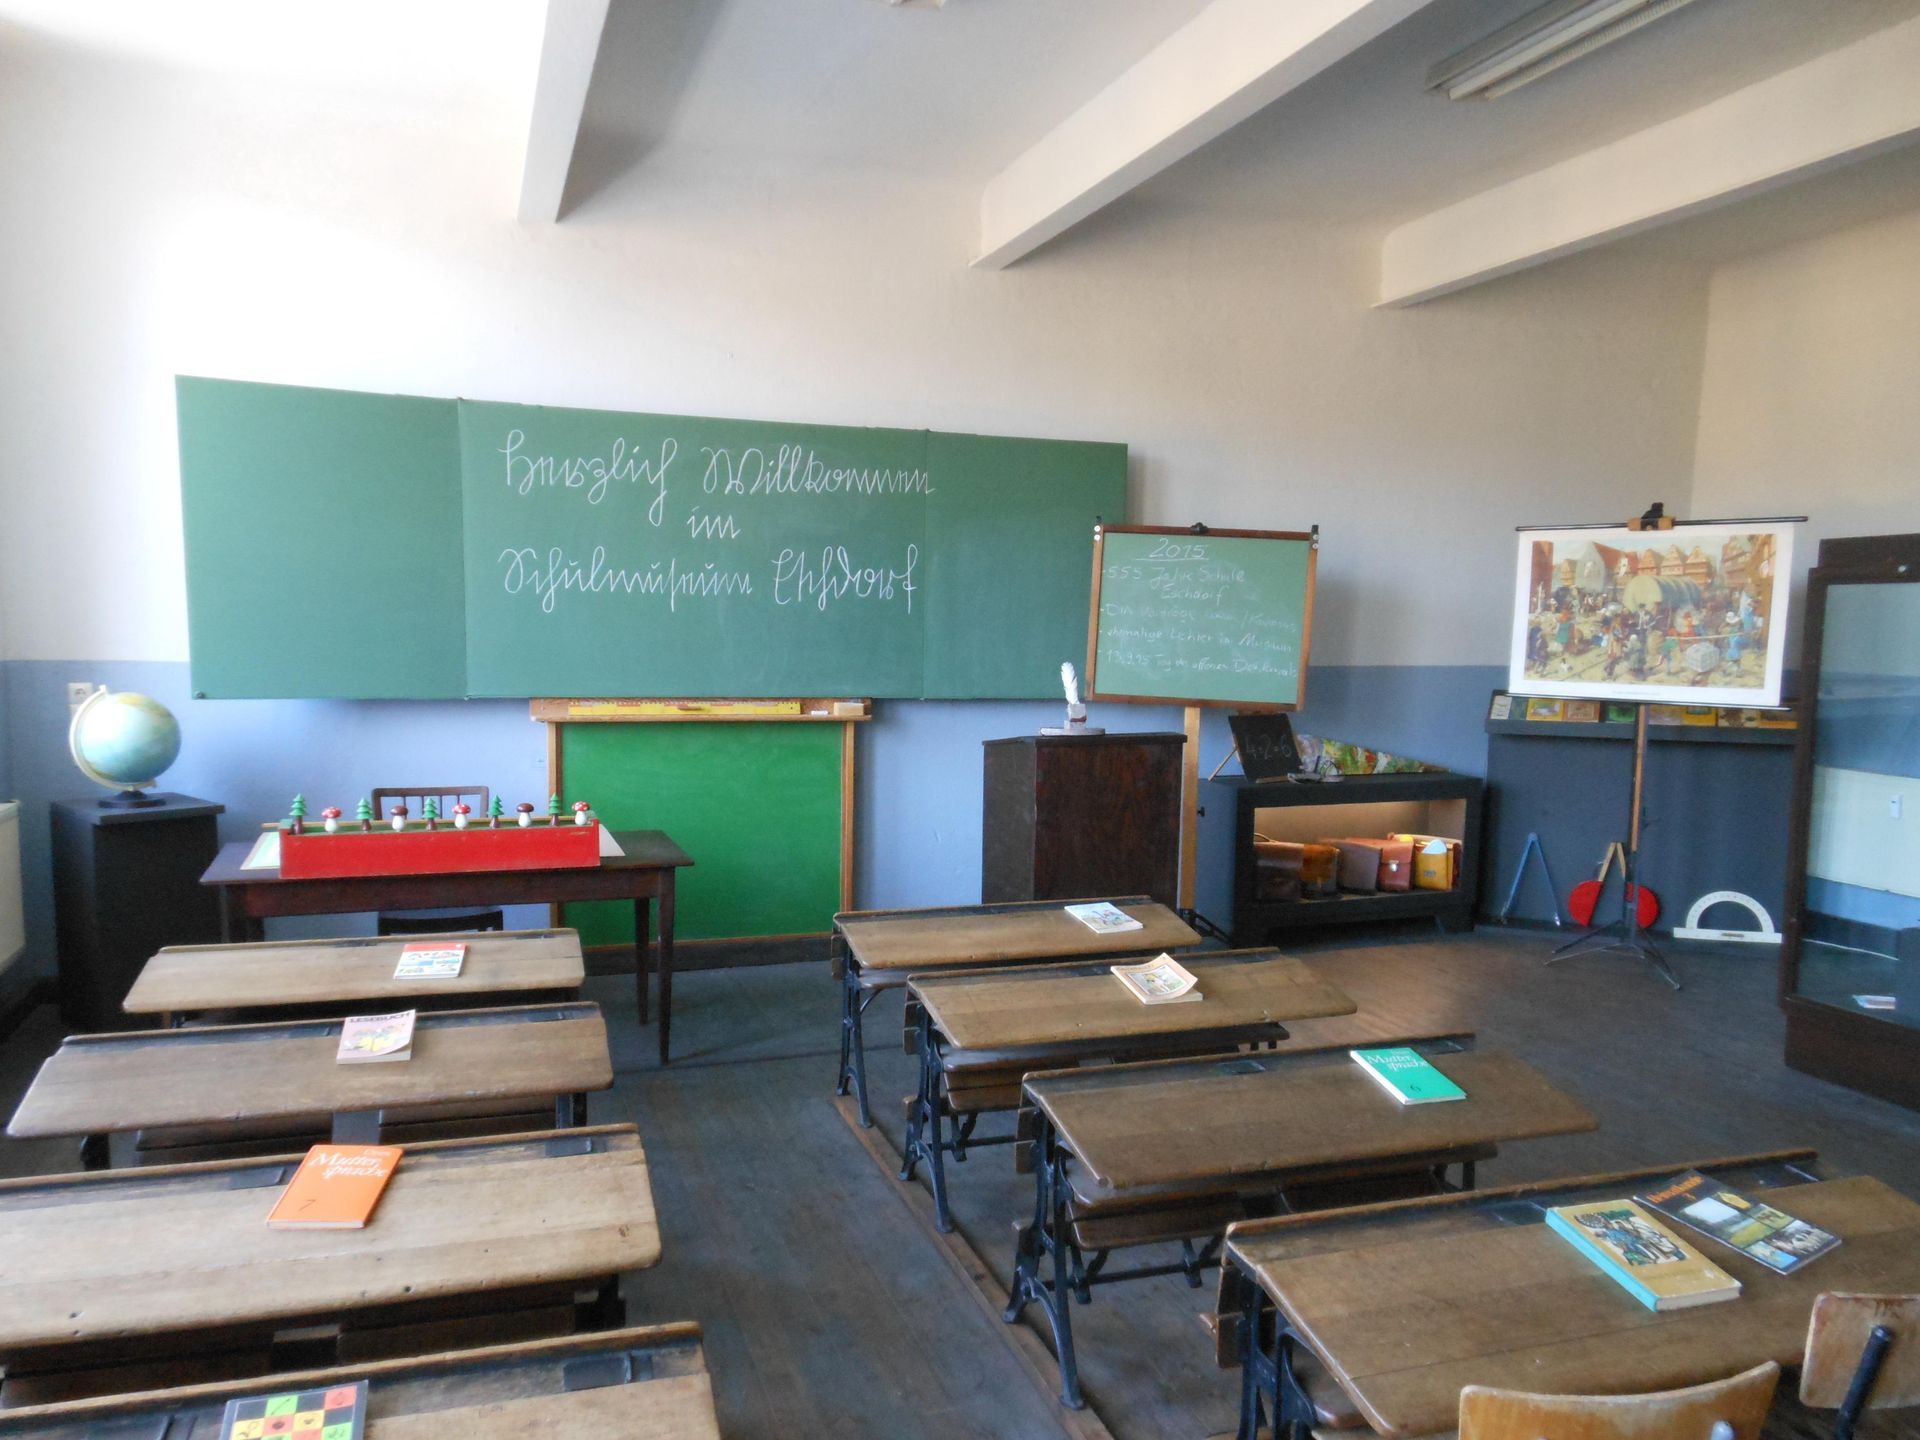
[525, 810]
[582, 813]
[330, 819]
[399, 816]
[461, 811]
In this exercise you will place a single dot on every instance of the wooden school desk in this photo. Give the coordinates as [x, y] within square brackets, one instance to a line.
[643, 874]
[977, 1033]
[244, 1076]
[1175, 1150]
[1403, 1304]
[645, 1383]
[175, 1264]
[875, 950]
[526, 965]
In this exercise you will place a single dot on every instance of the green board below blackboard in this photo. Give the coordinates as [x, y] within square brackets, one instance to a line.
[1222, 617]
[756, 806]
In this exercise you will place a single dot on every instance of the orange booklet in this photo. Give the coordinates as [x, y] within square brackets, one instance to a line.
[335, 1188]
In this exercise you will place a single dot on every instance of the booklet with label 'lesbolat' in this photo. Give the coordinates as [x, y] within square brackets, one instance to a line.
[1162, 980]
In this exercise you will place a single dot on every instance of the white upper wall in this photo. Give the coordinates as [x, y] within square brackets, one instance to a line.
[161, 223]
[1808, 396]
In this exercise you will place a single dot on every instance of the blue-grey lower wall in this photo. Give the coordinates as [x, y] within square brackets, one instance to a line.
[918, 816]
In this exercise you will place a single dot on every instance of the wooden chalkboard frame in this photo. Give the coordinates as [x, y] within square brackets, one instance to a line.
[1100, 533]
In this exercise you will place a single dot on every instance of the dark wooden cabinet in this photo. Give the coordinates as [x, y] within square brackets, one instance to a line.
[125, 883]
[1071, 816]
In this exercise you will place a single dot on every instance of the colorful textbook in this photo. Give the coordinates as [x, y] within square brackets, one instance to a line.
[1641, 1255]
[335, 1188]
[366, 1039]
[1756, 1230]
[431, 960]
[1162, 980]
[1406, 1074]
[1104, 918]
[338, 1412]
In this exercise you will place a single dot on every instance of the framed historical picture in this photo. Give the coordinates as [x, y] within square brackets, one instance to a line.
[1696, 615]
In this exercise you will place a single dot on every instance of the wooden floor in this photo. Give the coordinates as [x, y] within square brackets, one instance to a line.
[829, 1313]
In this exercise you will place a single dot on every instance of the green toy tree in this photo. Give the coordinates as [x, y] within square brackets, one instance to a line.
[297, 812]
[430, 812]
[553, 809]
[363, 812]
[494, 811]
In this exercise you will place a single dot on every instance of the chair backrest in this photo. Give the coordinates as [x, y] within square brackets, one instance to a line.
[414, 797]
[1740, 1403]
[1837, 1337]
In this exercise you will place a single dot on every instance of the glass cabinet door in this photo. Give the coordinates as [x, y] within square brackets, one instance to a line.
[1859, 926]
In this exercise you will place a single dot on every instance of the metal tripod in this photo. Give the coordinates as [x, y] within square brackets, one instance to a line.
[1626, 935]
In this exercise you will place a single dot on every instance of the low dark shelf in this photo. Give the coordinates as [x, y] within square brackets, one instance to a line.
[1254, 920]
[1656, 734]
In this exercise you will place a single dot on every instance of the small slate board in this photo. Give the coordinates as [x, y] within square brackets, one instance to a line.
[1265, 742]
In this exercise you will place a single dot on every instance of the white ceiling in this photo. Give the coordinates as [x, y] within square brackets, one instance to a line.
[1366, 144]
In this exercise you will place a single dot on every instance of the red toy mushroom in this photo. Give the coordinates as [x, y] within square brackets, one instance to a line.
[461, 811]
[330, 818]
[582, 813]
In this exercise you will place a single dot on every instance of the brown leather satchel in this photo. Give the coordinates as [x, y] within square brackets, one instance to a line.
[1283, 870]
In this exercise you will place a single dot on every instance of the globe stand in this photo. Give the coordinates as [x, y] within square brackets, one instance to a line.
[131, 799]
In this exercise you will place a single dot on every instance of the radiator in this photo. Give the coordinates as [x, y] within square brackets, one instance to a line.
[13, 928]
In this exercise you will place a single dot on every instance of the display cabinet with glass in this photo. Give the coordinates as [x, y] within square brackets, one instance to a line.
[1850, 961]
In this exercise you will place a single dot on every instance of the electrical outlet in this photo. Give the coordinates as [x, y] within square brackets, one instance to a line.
[77, 693]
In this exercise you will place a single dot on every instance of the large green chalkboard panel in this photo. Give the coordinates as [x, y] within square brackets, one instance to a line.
[627, 554]
[323, 540]
[756, 806]
[1010, 559]
[1210, 619]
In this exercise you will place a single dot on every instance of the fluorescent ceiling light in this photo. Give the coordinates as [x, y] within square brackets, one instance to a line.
[1539, 43]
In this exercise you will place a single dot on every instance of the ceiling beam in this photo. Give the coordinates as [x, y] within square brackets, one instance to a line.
[569, 44]
[1232, 59]
[1844, 106]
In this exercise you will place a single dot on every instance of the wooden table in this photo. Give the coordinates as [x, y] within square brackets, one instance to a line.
[645, 1383]
[978, 1028]
[1174, 1151]
[302, 974]
[876, 950]
[139, 1265]
[1404, 1304]
[243, 1075]
[643, 874]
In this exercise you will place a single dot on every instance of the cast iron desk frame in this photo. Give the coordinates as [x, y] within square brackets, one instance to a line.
[643, 874]
[1050, 1235]
[938, 1058]
[1265, 1343]
[860, 985]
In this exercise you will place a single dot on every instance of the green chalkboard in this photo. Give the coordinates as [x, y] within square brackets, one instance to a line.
[341, 544]
[756, 806]
[323, 540]
[1217, 618]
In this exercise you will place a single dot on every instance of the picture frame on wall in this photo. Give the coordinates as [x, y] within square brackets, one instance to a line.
[1695, 615]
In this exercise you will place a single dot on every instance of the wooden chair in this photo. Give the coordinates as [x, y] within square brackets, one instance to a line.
[1863, 1352]
[1732, 1409]
[429, 922]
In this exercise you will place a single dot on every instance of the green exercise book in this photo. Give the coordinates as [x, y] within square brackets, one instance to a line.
[1406, 1074]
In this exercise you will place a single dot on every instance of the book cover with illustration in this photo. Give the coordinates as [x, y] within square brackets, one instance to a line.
[335, 1188]
[430, 960]
[1757, 1230]
[1407, 1075]
[337, 1412]
[365, 1039]
[1104, 918]
[1162, 980]
[1641, 1255]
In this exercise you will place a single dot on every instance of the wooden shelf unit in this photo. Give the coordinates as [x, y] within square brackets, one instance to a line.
[1428, 804]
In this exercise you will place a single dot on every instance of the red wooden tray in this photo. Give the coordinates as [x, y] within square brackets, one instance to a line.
[316, 855]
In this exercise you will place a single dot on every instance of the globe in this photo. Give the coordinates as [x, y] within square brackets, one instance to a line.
[123, 740]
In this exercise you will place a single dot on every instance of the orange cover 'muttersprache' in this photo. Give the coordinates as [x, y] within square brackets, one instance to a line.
[335, 1188]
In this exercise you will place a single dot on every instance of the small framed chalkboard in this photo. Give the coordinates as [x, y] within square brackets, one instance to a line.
[1266, 747]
